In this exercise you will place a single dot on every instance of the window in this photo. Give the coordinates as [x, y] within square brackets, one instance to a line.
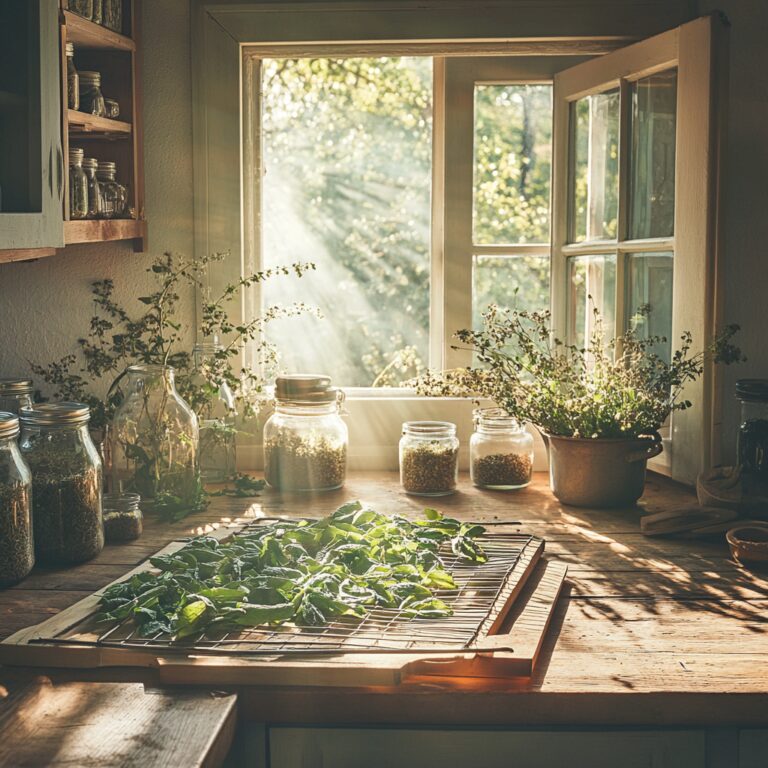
[429, 177]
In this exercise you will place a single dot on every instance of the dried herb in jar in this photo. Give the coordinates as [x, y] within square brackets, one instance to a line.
[16, 551]
[298, 463]
[429, 468]
[502, 470]
[118, 528]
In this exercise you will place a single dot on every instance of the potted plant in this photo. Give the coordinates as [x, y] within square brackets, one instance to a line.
[599, 407]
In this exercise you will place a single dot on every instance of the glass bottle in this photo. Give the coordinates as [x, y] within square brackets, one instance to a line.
[78, 186]
[113, 194]
[82, 8]
[216, 413]
[95, 202]
[17, 555]
[73, 79]
[91, 98]
[305, 439]
[752, 445]
[113, 15]
[429, 458]
[15, 394]
[112, 109]
[66, 482]
[500, 451]
[123, 520]
[154, 440]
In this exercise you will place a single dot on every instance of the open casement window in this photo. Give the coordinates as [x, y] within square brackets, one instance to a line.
[635, 208]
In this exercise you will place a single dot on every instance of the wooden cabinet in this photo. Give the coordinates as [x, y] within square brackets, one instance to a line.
[37, 129]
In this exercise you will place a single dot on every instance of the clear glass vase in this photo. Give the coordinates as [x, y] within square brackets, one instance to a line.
[154, 440]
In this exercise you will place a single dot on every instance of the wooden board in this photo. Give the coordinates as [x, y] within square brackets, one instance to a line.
[60, 642]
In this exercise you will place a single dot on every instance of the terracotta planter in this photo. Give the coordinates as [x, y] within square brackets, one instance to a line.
[599, 472]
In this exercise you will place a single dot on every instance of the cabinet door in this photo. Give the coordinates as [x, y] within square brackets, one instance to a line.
[389, 748]
[31, 159]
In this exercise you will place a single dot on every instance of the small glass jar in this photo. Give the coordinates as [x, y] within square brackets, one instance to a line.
[113, 15]
[112, 109]
[123, 520]
[500, 451]
[78, 186]
[113, 194]
[91, 98]
[753, 429]
[15, 394]
[82, 8]
[429, 458]
[17, 555]
[73, 79]
[95, 201]
[66, 482]
[98, 12]
[305, 439]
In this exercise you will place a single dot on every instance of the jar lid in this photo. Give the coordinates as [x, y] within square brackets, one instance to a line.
[70, 49]
[89, 77]
[9, 425]
[64, 414]
[16, 386]
[429, 429]
[752, 390]
[305, 388]
[112, 101]
[91, 163]
[76, 155]
[107, 166]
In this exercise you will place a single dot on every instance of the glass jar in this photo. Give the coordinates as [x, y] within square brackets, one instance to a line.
[15, 394]
[153, 440]
[305, 439]
[216, 413]
[82, 8]
[66, 482]
[113, 195]
[112, 109]
[91, 98]
[500, 451]
[123, 520]
[73, 80]
[95, 201]
[429, 458]
[113, 15]
[98, 12]
[78, 186]
[17, 555]
[753, 430]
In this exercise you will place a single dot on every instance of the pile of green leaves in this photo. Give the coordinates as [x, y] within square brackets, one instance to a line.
[305, 572]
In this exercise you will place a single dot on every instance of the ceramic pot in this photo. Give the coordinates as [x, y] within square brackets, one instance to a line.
[599, 472]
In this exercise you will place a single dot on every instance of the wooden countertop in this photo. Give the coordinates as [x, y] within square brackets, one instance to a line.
[648, 631]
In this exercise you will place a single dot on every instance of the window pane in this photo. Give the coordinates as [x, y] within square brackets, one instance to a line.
[592, 284]
[652, 185]
[347, 158]
[512, 164]
[650, 285]
[512, 282]
[595, 173]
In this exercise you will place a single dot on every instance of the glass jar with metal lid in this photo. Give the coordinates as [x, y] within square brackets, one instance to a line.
[73, 79]
[429, 458]
[17, 554]
[15, 394]
[114, 196]
[82, 8]
[305, 439]
[95, 201]
[91, 97]
[113, 15]
[500, 451]
[753, 430]
[66, 482]
[78, 185]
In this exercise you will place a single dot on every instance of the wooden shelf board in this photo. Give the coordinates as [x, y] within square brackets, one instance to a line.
[25, 254]
[87, 34]
[104, 230]
[83, 125]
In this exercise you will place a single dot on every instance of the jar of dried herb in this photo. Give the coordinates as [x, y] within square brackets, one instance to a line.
[95, 195]
[429, 458]
[123, 520]
[91, 97]
[66, 482]
[17, 554]
[500, 451]
[112, 15]
[305, 439]
[15, 394]
[73, 79]
[82, 8]
[78, 185]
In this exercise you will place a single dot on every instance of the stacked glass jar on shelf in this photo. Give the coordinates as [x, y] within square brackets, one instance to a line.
[108, 13]
[94, 192]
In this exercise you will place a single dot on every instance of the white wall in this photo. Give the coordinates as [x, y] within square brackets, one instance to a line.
[45, 305]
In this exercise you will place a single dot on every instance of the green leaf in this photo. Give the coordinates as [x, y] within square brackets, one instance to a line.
[255, 615]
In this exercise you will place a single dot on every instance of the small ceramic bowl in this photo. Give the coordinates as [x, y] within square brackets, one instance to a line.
[749, 543]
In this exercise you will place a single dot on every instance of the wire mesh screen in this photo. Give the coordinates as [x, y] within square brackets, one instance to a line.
[480, 587]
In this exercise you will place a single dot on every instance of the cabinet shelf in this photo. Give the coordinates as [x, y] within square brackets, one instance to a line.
[84, 126]
[103, 230]
[87, 34]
